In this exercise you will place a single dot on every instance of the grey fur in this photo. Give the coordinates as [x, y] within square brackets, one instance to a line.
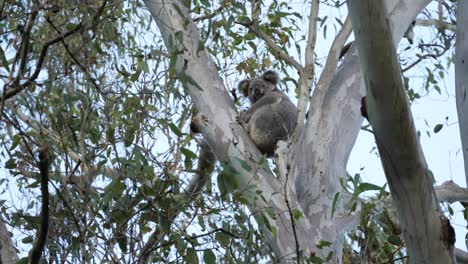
[272, 116]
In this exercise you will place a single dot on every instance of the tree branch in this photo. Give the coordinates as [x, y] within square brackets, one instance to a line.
[440, 24]
[427, 232]
[332, 61]
[451, 192]
[306, 77]
[44, 165]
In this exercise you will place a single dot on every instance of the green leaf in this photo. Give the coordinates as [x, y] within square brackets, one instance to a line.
[135, 76]
[4, 60]
[223, 239]
[10, 164]
[191, 256]
[322, 244]
[363, 187]
[188, 153]
[27, 240]
[437, 128]
[394, 240]
[206, 3]
[227, 180]
[209, 257]
[297, 214]
[115, 188]
[122, 242]
[244, 165]
[315, 259]
[184, 78]
[16, 141]
[24, 260]
[336, 199]
[450, 210]
[174, 129]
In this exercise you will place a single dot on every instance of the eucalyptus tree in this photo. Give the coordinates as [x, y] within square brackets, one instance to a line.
[105, 97]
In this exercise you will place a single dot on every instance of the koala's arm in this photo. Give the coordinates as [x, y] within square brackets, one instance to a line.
[268, 99]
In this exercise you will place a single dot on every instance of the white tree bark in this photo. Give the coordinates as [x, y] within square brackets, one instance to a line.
[317, 159]
[427, 233]
[461, 77]
[450, 192]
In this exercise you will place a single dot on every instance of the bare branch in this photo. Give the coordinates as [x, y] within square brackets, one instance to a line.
[331, 63]
[307, 75]
[440, 24]
[451, 192]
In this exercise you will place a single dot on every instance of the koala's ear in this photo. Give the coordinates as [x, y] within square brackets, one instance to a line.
[271, 76]
[243, 87]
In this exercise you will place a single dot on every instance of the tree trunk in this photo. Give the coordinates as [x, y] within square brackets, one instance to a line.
[428, 234]
[461, 78]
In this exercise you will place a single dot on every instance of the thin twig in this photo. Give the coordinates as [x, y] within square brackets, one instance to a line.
[211, 15]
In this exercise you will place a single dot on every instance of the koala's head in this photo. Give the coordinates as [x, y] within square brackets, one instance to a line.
[256, 88]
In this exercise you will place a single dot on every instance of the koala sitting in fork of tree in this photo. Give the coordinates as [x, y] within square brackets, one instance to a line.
[272, 116]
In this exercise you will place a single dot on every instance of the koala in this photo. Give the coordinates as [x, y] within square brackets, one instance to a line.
[272, 116]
